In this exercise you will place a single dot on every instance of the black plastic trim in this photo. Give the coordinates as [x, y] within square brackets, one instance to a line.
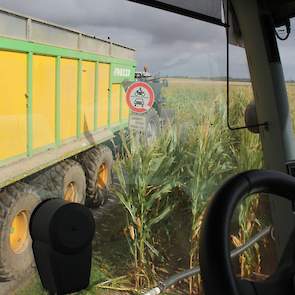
[182, 11]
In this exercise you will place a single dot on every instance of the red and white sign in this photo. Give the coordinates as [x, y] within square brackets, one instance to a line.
[140, 97]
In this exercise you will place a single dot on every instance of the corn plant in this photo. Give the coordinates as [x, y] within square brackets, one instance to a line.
[208, 163]
[247, 155]
[147, 176]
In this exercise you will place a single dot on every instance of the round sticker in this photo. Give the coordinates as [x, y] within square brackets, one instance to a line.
[140, 97]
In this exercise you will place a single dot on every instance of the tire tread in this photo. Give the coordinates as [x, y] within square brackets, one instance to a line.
[89, 161]
[8, 197]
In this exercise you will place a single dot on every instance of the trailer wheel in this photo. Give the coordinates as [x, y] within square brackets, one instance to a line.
[66, 180]
[17, 203]
[97, 164]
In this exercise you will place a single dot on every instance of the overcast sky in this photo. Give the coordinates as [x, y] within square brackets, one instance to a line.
[168, 43]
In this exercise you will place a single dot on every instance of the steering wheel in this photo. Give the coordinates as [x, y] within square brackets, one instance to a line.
[216, 269]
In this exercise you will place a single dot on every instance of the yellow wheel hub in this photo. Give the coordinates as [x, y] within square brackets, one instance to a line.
[70, 194]
[102, 177]
[19, 232]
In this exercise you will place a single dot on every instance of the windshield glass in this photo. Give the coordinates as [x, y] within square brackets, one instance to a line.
[286, 51]
[123, 108]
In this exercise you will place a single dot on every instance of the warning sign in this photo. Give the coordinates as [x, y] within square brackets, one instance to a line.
[140, 97]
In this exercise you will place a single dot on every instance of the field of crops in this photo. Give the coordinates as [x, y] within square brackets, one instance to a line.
[164, 189]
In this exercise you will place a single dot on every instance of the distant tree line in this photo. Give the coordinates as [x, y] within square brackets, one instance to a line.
[218, 78]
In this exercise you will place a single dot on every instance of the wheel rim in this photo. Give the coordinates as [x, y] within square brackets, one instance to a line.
[102, 176]
[19, 232]
[71, 193]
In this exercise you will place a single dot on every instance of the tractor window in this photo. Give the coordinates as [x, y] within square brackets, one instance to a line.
[288, 66]
[133, 124]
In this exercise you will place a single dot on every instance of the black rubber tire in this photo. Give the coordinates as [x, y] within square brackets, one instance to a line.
[168, 116]
[13, 200]
[148, 130]
[151, 118]
[53, 182]
[91, 161]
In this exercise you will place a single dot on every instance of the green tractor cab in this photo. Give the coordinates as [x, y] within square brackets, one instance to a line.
[157, 83]
[150, 124]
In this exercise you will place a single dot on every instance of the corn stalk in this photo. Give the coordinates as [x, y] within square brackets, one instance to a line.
[208, 163]
[248, 156]
[147, 176]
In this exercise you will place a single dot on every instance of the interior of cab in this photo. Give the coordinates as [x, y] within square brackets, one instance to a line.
[133, 164]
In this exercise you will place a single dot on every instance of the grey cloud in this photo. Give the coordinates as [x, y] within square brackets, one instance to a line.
[162, 26]
[166, 41]
[169, 43]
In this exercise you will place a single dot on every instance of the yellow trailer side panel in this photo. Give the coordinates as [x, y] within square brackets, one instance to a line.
[88, 92]
[43, 101]
[125, 108]
[68, 96]
[13, 113]
[103, 94]
[115, 114]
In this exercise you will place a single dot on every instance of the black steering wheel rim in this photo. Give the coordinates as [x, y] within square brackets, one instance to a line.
[215, 262]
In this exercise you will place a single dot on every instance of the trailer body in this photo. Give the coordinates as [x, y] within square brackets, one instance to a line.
[60, 93]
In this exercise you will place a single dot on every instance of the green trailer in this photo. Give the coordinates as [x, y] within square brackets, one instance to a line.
[62, 102]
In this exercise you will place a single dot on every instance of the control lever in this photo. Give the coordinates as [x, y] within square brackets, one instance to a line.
[62, 235]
